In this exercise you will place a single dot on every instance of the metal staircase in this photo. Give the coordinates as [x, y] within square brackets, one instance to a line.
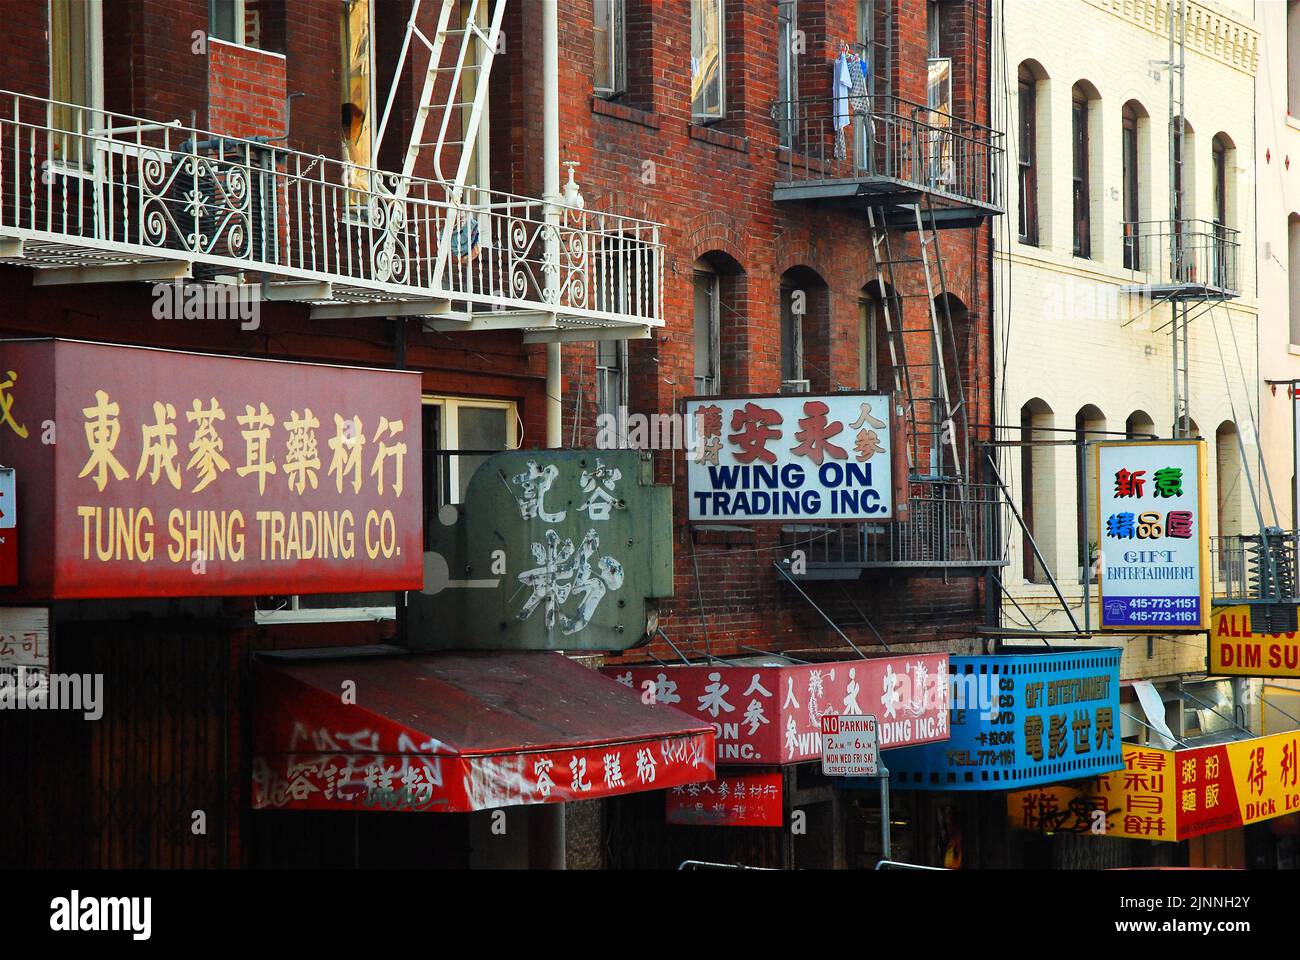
[469, 60]
[928, 387]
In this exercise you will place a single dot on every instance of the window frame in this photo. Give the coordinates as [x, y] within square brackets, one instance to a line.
[711, 383]
[1081, 200]
[604, 375]
[1027, 162]
[356, 175]
[617, 50]
[239, 12]
[449, 409]
[697, 8]
[797, 338]
[787, 70]
[1131, 187]
[93, 65]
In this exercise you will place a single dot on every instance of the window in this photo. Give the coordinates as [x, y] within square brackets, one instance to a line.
[1132, 188]
[1037, 489]
[1079, 141]
[1293, 274]
[787, 70]
[708, 51]
[76, 76]
[1219, 163]
[1027, 179]
[610, 38]
[793, 307]
[611, 378]
[1293, 57]
[357, 91]
[454, 423]
[226, 20]
[708, 302]
[868, 310]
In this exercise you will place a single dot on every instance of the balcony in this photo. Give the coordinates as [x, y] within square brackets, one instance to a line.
[92, 196]
[948, 523]
[897, 154]
[1188, 260]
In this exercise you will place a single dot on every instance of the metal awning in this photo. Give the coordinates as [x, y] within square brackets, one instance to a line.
[458, 732]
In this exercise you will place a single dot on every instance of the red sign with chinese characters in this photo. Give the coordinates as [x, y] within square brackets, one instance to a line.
[176, 474]
[771, 714]
[733, 800]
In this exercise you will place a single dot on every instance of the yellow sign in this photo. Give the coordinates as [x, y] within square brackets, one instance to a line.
[1236, 650]
[1172, 795]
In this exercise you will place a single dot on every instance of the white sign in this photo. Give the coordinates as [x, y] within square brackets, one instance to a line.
[1152, 536]
[25, 646]
[850, 747]
[791, 458]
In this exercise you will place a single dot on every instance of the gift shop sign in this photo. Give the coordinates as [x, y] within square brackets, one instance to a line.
[1151, 530]
[772, 714]
[791, 458]
[144, 473]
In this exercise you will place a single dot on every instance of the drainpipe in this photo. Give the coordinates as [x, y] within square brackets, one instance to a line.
[550, 197]
[548, 839]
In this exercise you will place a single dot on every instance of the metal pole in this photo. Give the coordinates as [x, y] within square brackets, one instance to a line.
[551, 213]
[1087, 529]
[548, 818]
[886, 849]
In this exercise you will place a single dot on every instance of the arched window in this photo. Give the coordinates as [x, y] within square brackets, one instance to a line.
[1037, 487]
[715, 278]
[1089, 425]
[1135, 148]
[1030, 132]
[1084, 142]
[1223, 212]
[1230, 479]
[1139, 425]
[875, 363]
[805, 329]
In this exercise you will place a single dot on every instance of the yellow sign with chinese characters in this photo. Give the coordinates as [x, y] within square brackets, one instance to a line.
[1172, 794]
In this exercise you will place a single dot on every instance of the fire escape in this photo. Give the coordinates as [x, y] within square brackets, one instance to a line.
[88, 196]
[911, 171]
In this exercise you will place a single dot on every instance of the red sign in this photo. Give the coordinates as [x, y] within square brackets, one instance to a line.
[314, 752]
[176, 474]
[735, 800]
[771, 714]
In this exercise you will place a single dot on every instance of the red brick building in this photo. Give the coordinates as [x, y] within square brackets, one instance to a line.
[725, 180]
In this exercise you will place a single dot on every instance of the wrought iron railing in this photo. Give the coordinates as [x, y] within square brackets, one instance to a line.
[1200, 254]
[895, 140]
[947, 523]
[98, 187]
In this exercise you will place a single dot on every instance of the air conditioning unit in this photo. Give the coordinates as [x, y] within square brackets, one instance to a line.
[796, 386]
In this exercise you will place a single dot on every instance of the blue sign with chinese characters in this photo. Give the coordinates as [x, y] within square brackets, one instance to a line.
[1020, 719]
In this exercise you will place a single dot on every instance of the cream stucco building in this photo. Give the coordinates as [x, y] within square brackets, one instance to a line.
[1085, 85]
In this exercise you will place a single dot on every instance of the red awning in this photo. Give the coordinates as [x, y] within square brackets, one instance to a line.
[457, 732]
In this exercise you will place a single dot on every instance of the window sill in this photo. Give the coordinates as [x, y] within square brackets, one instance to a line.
[611, 108]
[1293, 122]
[326, 615]
[718, 138]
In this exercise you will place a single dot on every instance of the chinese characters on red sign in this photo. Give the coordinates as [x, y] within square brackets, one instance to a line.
[182, 475]
[790, 457]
